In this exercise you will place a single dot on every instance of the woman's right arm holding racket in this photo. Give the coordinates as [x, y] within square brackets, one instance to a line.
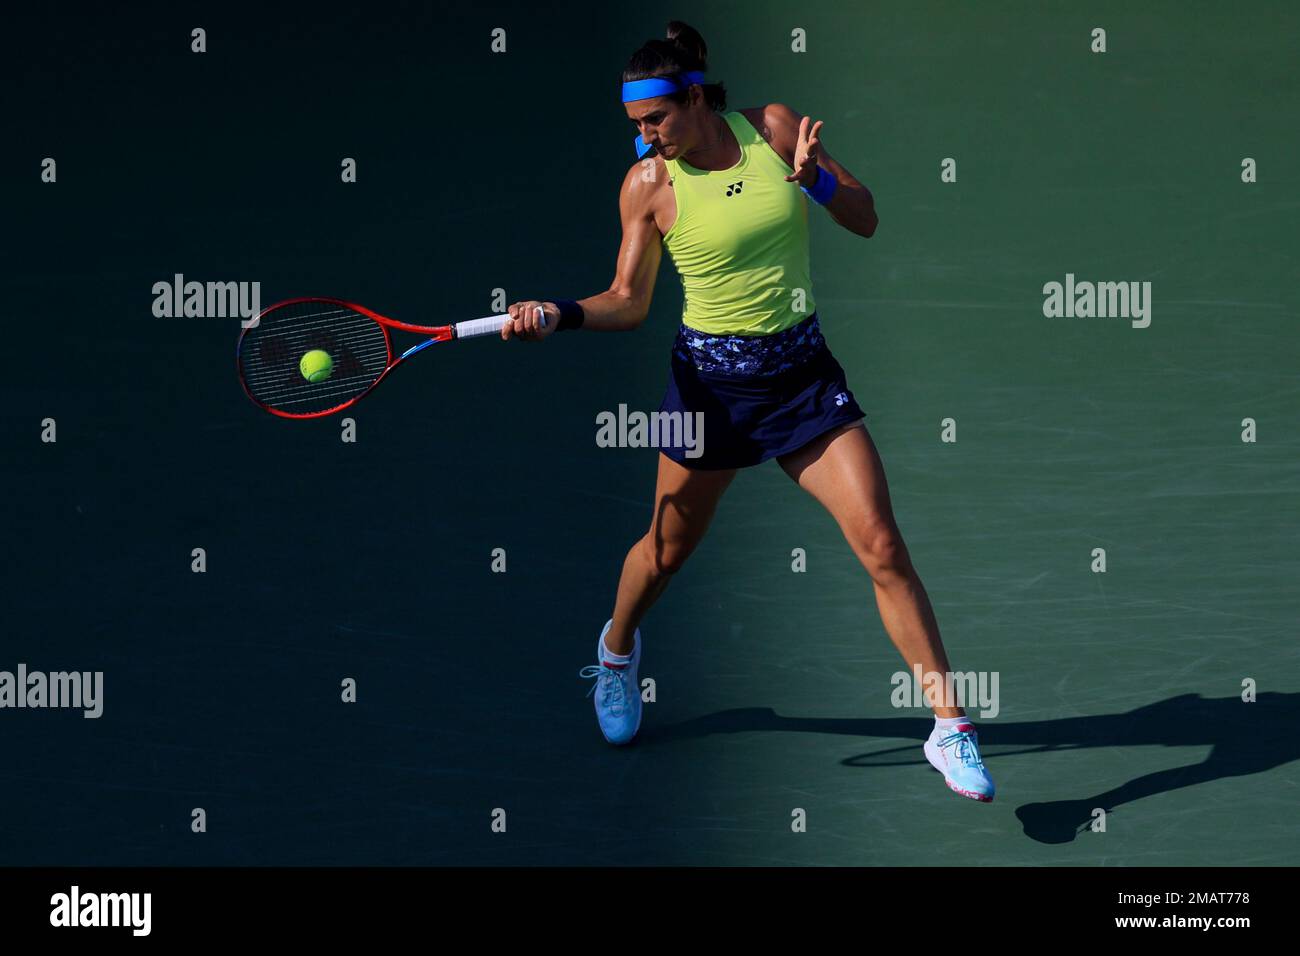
[627, 302]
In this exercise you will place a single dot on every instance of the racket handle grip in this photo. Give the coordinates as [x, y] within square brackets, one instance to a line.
[491, 325]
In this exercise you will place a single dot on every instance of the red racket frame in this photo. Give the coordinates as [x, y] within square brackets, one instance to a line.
[437, 333]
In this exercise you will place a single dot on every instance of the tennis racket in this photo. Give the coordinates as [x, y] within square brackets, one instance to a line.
[280, 375]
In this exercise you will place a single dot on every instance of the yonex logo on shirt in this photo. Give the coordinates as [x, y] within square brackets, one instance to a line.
[842, 398]
[734, 187]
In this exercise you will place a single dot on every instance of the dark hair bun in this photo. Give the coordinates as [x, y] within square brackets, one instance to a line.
[689, 39]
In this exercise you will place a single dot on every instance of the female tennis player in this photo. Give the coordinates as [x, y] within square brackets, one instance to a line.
[726, 193]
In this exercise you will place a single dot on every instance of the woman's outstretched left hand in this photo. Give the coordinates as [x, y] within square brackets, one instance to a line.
[805, 153]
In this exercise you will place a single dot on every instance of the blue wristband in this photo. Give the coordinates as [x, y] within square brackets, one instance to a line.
[824, 188]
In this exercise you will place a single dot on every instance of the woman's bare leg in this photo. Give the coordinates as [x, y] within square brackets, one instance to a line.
[842, 470]
[685, 501]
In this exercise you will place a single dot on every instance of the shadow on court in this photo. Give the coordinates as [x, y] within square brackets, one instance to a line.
[1247, 739]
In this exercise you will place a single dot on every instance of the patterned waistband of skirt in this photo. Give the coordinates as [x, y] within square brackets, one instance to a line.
[751, 354]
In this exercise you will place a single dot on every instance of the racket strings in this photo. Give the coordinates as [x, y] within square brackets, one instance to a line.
[270, 353]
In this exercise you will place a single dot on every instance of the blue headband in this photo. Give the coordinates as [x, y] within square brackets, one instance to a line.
[657, 86]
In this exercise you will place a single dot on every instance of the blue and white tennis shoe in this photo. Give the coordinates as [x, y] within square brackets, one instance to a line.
[954, 752]
[617, 693]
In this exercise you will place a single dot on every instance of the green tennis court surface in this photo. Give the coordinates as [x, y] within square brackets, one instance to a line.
[372, 560]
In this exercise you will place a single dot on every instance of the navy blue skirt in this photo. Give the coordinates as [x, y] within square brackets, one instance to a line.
[752, 398]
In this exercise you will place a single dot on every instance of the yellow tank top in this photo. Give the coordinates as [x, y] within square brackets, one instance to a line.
[740, 241]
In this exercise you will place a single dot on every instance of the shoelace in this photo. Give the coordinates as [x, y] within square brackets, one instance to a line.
[610, 681]
[963, 741]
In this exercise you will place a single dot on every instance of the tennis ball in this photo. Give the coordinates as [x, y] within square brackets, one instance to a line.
[316, 366]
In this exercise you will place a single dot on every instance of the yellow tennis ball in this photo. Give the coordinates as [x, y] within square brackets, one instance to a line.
[316, 366]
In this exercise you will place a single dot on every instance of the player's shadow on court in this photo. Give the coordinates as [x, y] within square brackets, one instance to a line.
[1245, 739]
